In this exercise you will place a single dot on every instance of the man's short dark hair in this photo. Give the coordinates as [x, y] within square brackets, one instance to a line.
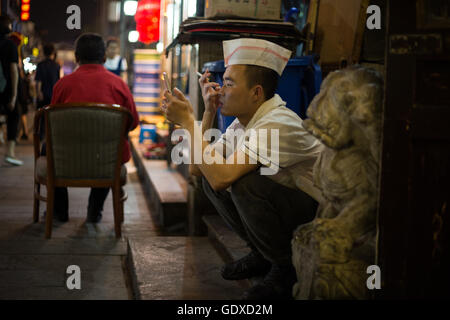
[112, 40]
[90, 48]
[5, 21]
[267, 78]
[49, 49]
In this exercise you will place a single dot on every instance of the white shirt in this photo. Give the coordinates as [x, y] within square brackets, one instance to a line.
[113, 63]
[293, 154]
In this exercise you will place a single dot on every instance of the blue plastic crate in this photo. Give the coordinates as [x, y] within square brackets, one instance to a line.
[298, 85]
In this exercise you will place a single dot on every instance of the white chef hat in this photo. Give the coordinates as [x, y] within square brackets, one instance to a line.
[256, 52]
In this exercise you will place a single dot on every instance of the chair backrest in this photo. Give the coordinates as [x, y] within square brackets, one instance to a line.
[85, 141]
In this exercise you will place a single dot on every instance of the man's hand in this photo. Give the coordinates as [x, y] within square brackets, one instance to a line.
[177, 108]
[40, 95]
[210, 93]
[12, 103]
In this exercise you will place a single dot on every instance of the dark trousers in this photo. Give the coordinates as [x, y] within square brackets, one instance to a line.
[12, 123]
[263, 213]
[97, 198]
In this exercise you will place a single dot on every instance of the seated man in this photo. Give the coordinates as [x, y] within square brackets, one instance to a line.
[260, 197]
[91, 82]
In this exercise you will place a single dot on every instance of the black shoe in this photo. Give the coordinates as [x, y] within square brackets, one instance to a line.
[62, 217]
[277, 285]
[94, 217]
[251, 265]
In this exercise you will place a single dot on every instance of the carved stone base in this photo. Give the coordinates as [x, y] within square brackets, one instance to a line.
[321, 270]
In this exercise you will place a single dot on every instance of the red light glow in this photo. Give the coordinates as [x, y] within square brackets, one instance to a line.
[147, 20]
[25, 16]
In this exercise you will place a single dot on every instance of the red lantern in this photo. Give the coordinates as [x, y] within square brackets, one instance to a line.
[147, 20]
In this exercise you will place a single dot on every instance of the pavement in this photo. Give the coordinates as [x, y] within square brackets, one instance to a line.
[143, 264]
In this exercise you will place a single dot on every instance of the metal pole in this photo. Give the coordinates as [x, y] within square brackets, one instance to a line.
[123, 36]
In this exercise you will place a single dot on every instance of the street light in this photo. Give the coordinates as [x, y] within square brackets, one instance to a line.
[133, 36]
[129, 8]
[160, 47]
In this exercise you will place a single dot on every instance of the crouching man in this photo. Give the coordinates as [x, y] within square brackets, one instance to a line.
[263, 187]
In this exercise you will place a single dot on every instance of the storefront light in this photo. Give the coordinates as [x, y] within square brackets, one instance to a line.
[28, 66]
[192, 8]
[129, 8]
[133, 36]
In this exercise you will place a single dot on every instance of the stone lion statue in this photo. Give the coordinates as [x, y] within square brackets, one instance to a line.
[332, 252]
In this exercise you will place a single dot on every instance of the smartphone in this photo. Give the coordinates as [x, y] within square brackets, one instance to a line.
[166, 82]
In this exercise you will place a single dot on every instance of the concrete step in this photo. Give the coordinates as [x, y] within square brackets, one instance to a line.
[228, 244]
[37, 269]
[178, 268]
[165, 190]
[94, 246]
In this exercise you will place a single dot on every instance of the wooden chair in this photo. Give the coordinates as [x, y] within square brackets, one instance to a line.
[84, 146]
